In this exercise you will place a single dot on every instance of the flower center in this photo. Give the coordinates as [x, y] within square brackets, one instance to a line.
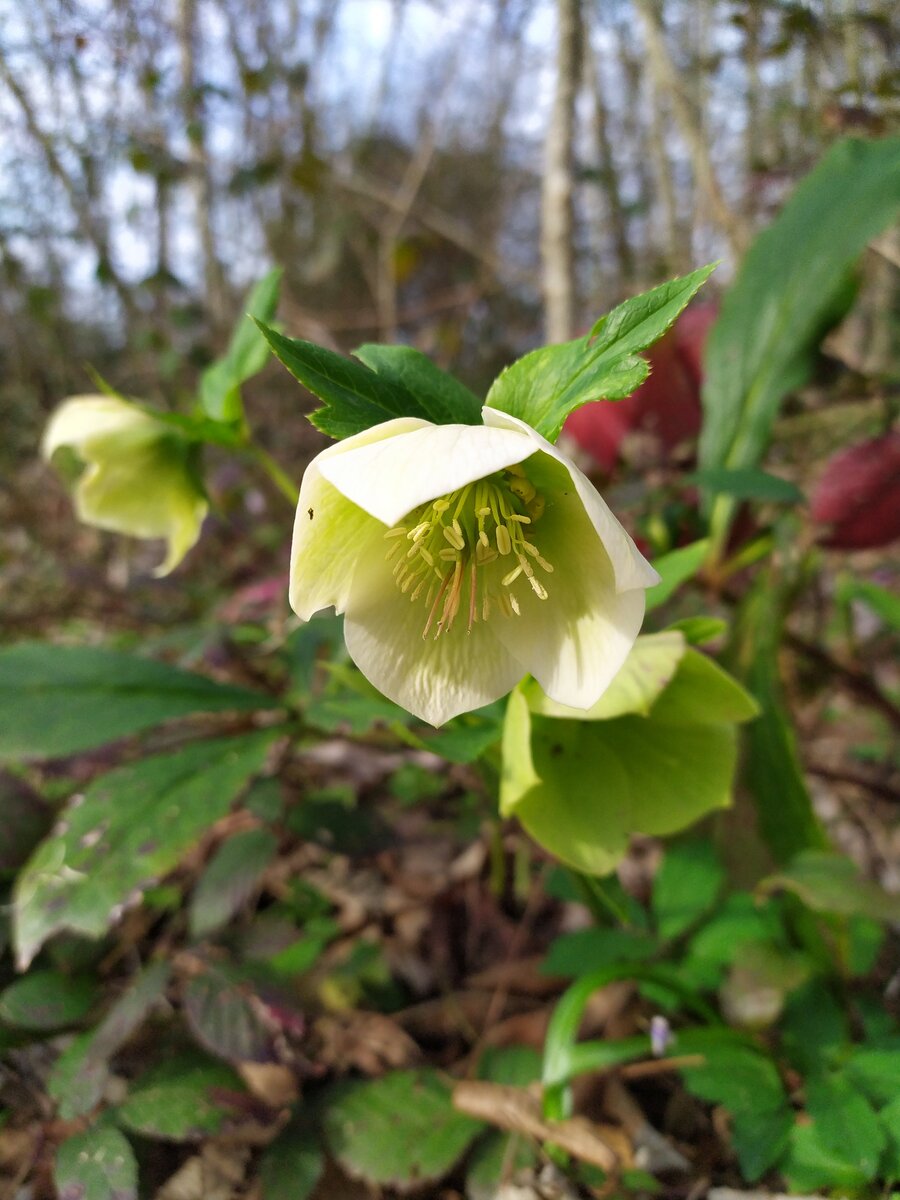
[467, 549]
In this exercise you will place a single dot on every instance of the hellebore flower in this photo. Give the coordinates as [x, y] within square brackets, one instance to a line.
[464, 557]
[137, 476]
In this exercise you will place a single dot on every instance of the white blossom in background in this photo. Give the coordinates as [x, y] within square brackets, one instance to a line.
[465, 557]
[136, 478]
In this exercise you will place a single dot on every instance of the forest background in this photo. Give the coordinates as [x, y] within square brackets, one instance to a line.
[473, 178]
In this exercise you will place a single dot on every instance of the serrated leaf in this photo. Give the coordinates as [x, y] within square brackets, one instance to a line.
[44, 1000]
[398, 1131]
[791, 286]
[246, 355]
[545, 386]
[183, 1099]
[831, 883]
[128, 829]
[230, 878]
[96, 1165]
[447, 400]
[355, 398]
[57, 700]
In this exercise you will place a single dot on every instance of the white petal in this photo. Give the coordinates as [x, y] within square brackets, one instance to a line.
[575, 641]
[82, 421]
[391, 478]
[332, 535]
[435, 679]
[631, 568]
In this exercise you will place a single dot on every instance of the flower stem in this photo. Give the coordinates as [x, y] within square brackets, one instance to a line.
[280, 478]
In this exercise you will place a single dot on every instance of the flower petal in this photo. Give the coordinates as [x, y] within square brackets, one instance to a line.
[146, 492]
[433, 678]
[630, 568]
[85, 422]
[576, 640]
[393, 476]
[332, 534]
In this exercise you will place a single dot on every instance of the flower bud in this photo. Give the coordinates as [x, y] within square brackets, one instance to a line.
[137, 476]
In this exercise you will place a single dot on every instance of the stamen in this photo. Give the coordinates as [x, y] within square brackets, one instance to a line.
[485, 523]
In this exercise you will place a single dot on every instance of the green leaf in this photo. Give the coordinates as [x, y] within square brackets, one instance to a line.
[545, 386]
[494, 1161]
[96, 1165]
[355, 398]
[831, 883]
[747, 483]
[45, 1000]
[397, 1130]
[810, 1164]
[183, 1099]
[127, 830]
[575, 954]
[222, 1014]
[246, 355]
[814, 1027]
[747, 1084]
[56, 700]
[467, 737]
[890, 1118]
[784, 808]
[80, 1075]
[737, 922]
[876, 1073]
[515, 1066]
[582, 788]
[884, 603]
[446, 399]
[697, 631]
[686, 886]
[845, 1122]
[292, 1165]
[229, 880]
[676, 568]
[789, 289]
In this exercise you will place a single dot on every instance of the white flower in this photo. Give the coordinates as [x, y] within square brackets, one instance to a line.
[464, 557]
[137, 476]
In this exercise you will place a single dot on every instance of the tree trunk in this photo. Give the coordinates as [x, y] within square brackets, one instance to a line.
[557, 215]
[665, 77]
[618, 225]
[200, 181]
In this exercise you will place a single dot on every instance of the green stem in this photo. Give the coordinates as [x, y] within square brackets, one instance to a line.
[601, 901]
[280, 478]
